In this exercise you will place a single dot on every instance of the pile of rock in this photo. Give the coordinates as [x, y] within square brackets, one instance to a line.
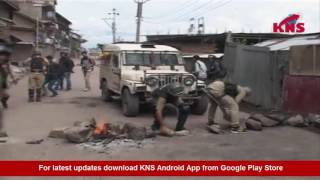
[258, 121]
[86, 131]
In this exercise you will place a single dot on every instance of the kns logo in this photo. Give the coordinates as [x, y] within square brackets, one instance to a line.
[289, 24]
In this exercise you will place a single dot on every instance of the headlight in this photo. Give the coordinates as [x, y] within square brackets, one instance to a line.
[152, 81]
[188, 81]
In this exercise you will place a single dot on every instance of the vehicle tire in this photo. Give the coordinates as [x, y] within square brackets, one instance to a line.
[130, 104]
[200, 106]
[105, 92]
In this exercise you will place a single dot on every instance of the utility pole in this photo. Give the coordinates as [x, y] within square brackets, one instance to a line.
[113, 25]
[139, 17]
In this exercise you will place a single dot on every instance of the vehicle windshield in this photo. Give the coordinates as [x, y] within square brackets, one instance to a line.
[149, 59]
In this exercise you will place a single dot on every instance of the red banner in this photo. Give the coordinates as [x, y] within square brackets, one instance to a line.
[159, 168]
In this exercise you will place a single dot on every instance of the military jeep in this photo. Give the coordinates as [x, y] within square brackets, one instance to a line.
[132, 72]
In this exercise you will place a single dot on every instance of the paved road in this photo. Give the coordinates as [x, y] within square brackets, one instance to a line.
[26, 121]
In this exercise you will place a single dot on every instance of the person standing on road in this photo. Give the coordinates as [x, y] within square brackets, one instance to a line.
[36, 77]
[200, 68]
[67, 66]
[5, 71]
[216, 70]
[5, 53]
[87, 65]
[227, 96]
[52, 75]
[170, 94]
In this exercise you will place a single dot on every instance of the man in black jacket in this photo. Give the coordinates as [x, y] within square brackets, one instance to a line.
[52, 75]
[67, 66]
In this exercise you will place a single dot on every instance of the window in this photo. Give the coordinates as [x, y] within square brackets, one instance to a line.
[115, 60]
[156, 58]
[105, 59]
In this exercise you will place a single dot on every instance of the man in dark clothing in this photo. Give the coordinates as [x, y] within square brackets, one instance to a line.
[5, 71]
[5, 53]
[216, 70]
[67, 66]
[36, 77]
[52, 75]
[170, 94]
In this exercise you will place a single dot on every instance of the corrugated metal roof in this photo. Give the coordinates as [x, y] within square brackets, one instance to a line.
[285, 44]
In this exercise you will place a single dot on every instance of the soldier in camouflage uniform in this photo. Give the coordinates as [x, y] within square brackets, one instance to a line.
[170, 94]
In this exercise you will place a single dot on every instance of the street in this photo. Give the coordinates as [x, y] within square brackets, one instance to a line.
[25, 121]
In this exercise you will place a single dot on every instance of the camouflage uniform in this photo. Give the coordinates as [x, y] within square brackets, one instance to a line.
[169, 94]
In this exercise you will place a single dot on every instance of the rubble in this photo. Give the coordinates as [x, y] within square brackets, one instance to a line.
[265, 121]
[58, 133]
[281, 118]
[253, 124]
[297, 121]
[78, 134]
[84, 131]
[134, 132]
[314, 119]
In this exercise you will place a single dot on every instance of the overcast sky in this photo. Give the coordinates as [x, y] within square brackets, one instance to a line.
[172, 16]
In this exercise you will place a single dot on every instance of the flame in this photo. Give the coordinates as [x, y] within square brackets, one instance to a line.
[101, 128]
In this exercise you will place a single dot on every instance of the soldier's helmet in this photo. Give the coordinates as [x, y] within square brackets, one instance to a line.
[175, 89]
[5, 48]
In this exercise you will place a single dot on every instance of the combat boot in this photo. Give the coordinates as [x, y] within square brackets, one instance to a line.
[31, 95]
[38, 95]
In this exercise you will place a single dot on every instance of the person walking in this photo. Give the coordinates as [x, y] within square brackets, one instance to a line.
[36, 76]
[52, 75]
[5, 53]
[87, 65]
[5, 71]
[67, 68]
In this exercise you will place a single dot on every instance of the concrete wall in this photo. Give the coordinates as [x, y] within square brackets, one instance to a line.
[23, 22]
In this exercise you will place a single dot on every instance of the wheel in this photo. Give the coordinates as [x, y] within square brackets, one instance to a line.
[105, 92]
[130, 104]
[200, 106]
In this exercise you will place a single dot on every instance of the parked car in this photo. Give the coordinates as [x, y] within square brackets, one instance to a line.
[133, 71]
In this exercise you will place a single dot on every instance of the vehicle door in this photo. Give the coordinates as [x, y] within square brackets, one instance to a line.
[115, 72]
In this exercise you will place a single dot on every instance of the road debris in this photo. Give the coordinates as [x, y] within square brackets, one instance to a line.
[39, 141]
[3, 134]
[265, 121]
[297, 121]
[58, 133]
[105, 137]
[252, 124]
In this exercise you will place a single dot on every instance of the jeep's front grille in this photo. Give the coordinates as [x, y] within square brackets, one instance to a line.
[168, 79]
[165, 79]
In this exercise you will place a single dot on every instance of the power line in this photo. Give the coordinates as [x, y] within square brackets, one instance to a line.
[194, 10]
[210, 10]
[178, 10]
